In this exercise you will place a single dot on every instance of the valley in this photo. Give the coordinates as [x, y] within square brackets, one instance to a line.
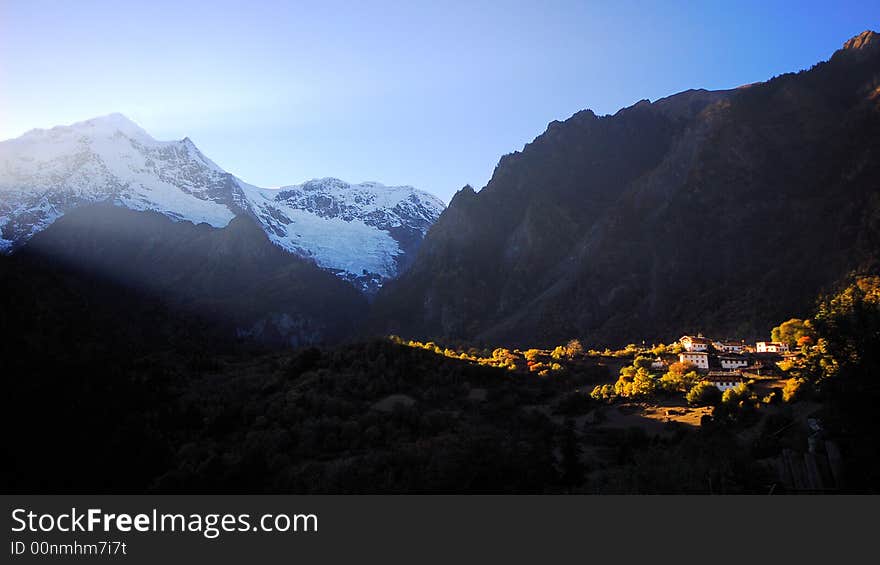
[680, 297]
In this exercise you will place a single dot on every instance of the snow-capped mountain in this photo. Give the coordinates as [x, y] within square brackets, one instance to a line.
[365, 233]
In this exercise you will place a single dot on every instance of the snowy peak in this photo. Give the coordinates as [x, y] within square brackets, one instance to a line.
[102, 127]
[112, 124]
[46, 173]
[365, 233]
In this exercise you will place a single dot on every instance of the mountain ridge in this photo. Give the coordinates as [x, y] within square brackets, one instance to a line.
[706, 211]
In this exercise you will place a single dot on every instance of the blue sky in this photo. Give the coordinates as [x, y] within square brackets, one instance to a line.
[423, 93]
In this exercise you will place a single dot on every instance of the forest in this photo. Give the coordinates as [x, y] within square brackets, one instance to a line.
[110, 391]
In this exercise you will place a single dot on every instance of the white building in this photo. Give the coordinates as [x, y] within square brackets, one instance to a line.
[733, 361]
[771, 347]
[698, 358]
[728, 346]
[691, 343]
[724, 381]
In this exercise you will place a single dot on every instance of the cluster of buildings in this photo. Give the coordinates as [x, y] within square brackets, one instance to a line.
[725, 364]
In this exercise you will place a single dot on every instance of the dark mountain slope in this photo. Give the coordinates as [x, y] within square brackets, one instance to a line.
[108, 390]
[715, 211]
[233, 276]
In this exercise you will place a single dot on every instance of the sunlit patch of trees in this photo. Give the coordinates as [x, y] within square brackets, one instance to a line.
[570, 350]
[736, 395]
[794, 332]
[814, 365]
[680, 377]
[532, 360]
[631, 350]
[662, 349]
[637, 381]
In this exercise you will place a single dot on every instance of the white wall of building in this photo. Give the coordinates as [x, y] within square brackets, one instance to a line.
[701, 360]
[771, 347]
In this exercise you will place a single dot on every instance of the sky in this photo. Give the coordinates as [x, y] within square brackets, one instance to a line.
[429, 94]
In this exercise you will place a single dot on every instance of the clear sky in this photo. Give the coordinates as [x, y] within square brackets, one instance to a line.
[423, 93]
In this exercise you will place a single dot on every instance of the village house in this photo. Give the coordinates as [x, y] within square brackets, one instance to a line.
[733, 361]
[771, 347]
[698, 358]
[728, 346]
[698, 343]
[658, 363]
[724, 380]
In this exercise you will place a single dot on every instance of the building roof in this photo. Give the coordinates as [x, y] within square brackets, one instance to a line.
[766, 356]
[694, 353]
[693, 339]
[734, 357]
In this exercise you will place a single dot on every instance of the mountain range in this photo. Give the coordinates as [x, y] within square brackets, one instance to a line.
[715, 211]
[365, 233]
[720, 212]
